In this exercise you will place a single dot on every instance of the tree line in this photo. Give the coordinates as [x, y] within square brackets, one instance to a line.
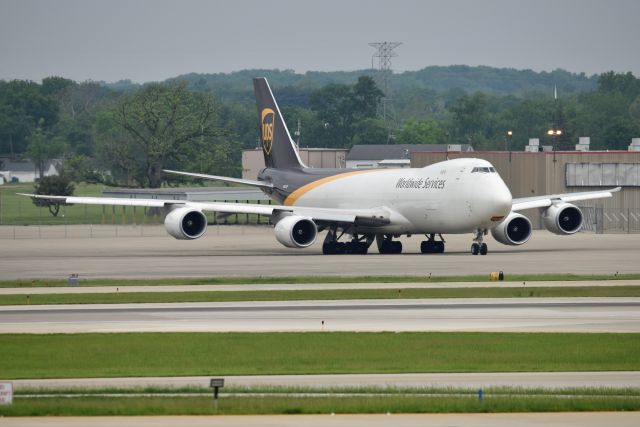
[125, 134]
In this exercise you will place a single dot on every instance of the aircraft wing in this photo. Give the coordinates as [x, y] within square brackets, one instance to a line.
[545, 201]
[372, 217]
[261, 184]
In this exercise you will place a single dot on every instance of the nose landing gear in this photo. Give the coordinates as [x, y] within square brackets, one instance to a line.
[478, 246]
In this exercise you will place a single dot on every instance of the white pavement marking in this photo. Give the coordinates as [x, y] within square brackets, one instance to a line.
[446, 314]
[544, 380]
[306, 286]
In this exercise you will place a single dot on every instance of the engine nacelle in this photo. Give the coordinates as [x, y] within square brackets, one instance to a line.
[562, 218]
[514, 230]
[186, 223]
[296, 231]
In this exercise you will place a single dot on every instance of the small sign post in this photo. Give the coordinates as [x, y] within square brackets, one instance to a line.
[6, 393]
[216, 384]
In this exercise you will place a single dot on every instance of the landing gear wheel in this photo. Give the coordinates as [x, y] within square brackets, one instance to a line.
[478, 247]
[328, 249]
[432, 246]
[358, 245]
[388, 246]
[475, 249]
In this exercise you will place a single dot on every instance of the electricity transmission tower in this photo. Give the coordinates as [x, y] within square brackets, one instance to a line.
[384, 53]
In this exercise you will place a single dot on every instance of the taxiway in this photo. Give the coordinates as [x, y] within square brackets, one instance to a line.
[483, 315]
[253, 251]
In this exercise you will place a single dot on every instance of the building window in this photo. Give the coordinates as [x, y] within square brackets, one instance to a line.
[602, 174]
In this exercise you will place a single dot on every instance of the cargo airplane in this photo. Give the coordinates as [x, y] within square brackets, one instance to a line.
[357, 207]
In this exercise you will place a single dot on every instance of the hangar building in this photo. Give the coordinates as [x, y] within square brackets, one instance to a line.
[538, 173]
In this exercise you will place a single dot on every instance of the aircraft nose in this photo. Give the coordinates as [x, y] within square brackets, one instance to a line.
[502, 200]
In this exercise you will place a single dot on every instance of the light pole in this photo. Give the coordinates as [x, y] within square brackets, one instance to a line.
[507, 140]
[554, 134]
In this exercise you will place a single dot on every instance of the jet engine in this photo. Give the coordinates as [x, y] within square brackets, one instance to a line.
[514, 230]
[186, 223]
[296, 231]
[562, 218]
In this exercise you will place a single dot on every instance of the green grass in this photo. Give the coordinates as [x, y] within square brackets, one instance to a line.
[20, 210]
[249, 280]
[331, 294]
[178, 354]
[235, 405]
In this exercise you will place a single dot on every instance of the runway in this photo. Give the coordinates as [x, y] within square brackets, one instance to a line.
[496, 315]
[253, 251]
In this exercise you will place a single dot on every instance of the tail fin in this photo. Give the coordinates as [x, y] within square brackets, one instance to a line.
[277, 145]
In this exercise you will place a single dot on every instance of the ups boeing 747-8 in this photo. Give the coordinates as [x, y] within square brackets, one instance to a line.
[358, 207]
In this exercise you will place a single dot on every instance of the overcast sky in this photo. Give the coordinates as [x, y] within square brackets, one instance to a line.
[148, 40]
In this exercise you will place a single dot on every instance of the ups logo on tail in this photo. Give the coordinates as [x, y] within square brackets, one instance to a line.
[266, 130]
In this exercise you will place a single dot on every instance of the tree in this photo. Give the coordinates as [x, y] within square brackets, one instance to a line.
[22, 108]
[470, 116]
[162, 121]
[366, 97]
[370, 131]
[41, 149]
[340, 107]
[55, 185]
[626, 84]
[54, 85]
[421, 132]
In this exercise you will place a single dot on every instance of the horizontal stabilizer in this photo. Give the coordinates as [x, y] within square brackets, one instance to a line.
[250, 182]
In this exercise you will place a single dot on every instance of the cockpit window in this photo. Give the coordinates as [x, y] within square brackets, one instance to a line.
[483, 169]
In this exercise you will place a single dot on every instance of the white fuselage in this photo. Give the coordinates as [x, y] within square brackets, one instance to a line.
[454, 196]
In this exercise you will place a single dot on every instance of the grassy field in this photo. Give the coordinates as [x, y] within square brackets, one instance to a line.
[251, 280]
[332, 294]
[176, 354]
[20, 210]
[295, 404]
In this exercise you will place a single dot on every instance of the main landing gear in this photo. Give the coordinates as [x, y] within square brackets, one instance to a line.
[359, 245]
[478, 246]
[431, 245]
[386, 244]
